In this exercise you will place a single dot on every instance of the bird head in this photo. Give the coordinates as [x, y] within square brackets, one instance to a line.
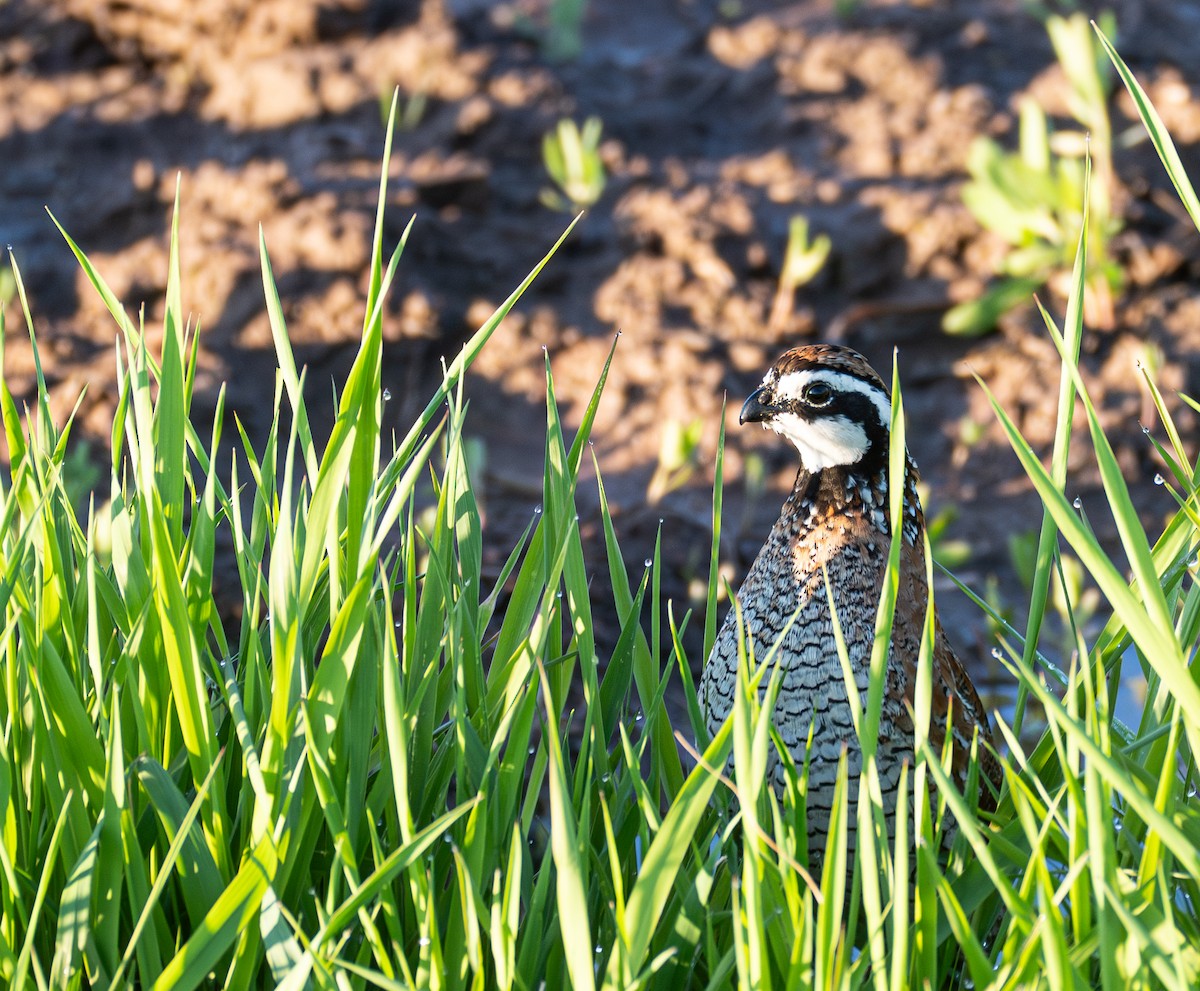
[829, 402]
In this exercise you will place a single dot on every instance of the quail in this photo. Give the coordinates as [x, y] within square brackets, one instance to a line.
[832, 405]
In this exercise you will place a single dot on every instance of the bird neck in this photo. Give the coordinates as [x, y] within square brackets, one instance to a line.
[842, 490]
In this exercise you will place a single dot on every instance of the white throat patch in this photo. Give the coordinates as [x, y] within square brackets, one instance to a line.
[827, 441]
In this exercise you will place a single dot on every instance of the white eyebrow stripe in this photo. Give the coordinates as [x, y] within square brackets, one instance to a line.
[791, 385]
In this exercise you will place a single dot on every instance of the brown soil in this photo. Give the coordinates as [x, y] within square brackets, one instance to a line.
[721, 119]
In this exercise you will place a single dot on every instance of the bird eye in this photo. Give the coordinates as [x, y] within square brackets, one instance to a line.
[818, 394]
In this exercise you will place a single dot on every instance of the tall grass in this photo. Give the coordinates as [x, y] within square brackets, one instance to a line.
[390, 772]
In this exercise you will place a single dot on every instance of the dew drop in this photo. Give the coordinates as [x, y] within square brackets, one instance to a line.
[558, 594]
[537, 510]
[423, 941]
[660, 521]
[1078, 503]
[649, 562]
[1158, 479]
[997, 653]
[639, 717]
[1145, 430]
[387, 395]
[599, 948]
[532, 749]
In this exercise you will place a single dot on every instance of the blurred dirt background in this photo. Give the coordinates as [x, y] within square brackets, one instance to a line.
[722, 119]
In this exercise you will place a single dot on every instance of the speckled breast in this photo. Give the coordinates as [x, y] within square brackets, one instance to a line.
[783, 600]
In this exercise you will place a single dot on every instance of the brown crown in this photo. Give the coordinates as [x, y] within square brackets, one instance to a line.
[835, 356]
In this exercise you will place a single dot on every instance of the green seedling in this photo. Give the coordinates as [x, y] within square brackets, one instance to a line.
[678, 457]
[572, 158]
[562, 40]
[1034, 197]
[949, 552]
[802, 260]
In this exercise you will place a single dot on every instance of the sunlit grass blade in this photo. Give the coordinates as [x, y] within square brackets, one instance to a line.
[1158, 132]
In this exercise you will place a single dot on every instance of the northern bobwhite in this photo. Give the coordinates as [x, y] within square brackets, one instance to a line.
[830, 403]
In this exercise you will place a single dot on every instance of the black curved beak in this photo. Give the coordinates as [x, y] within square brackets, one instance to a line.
[755, 410]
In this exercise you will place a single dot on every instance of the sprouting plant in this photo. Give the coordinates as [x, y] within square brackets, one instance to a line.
[562, 40]
[949, 552]
[678, 457]
[1034, 197]
[802, 260]
[572, 157]
[411, 107]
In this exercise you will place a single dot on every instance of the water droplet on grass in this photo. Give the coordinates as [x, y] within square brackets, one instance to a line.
[1158, 479]
[998, 653]
[1078, 503]
[387, 395]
